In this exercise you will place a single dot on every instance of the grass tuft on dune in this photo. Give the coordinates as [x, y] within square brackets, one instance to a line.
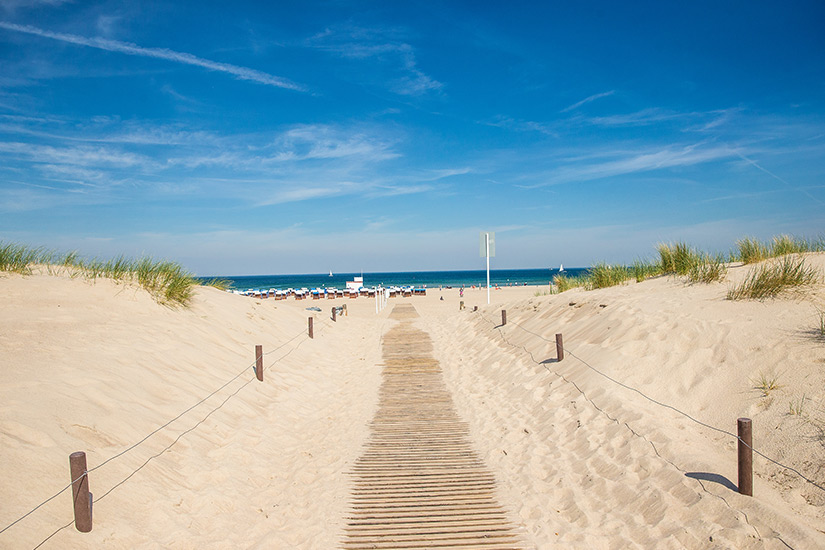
[168, 282]
[750, 250]
[773, 278]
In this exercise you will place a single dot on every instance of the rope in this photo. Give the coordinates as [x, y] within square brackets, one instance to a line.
[131, 447]
[652, 400]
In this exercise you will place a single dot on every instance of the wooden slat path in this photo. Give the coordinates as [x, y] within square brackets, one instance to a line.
[420, 484]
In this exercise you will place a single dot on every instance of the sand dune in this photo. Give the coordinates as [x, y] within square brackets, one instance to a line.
[579, 460]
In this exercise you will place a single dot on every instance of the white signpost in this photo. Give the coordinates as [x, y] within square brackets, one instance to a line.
[487, 249]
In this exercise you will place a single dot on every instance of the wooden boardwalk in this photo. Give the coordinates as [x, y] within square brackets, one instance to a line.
[419, 483]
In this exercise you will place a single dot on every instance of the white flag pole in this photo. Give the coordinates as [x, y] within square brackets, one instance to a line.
[487, 242]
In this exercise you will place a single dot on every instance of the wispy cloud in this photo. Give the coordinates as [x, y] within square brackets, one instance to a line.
[696, 121]
[388, 46]
[396, 190]
[303, 193]
[11, 5]
[593, 97]
[242, 73]
[611, 164]
[80, 156]
[645, 117]
[415, 82]
[320, 141]
[434, 175]
[510, 123]
[304, 162]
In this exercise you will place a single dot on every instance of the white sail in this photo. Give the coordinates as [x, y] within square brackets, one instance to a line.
[561, 268]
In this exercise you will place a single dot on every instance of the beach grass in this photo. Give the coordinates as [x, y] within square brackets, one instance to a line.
[678, 258]
[770, 279]
[565, 282]
[750, 250]
[642, 270]
[766, 383]
[17, 258]
[796, 407]
[168, 282]
[604, 275]
[707, 269]
[681, 259]
[220, 284]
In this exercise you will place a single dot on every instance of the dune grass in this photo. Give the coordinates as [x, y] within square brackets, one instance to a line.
[565, 282]
[698, 267]
[642, 270]
[683, 260]
[17, 258]
[603, 275]
[676, 258]
[220, 284]
[707, 269]
[770, 279]
[166, 281]
[750, 250]
[766, 383]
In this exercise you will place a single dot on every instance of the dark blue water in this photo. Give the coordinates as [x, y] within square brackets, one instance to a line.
[430, 279]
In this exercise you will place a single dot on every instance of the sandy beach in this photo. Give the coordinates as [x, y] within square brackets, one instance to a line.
[620, 445]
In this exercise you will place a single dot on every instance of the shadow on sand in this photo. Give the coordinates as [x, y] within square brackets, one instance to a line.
[714, 478]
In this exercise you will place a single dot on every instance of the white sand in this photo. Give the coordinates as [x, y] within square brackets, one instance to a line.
[580, 463]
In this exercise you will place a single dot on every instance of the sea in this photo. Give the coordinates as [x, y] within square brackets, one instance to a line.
[418, 279]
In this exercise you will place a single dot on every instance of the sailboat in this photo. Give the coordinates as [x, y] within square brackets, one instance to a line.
[330, 273]
[561, 268]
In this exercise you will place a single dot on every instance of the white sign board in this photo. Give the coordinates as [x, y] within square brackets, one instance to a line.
[482, 245]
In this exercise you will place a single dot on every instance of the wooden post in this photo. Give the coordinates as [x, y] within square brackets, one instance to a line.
[80, 492]
[334, 314]
[259, 363]
[309, 328]
[503, 317]
[461, 305]
[475, 308]
[559, 348]
[745, 433]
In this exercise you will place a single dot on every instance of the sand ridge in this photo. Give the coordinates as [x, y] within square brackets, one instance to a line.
[579, 461]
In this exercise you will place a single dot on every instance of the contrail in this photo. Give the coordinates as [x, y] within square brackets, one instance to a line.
[593, 97]
[243, 73]
[755, 165]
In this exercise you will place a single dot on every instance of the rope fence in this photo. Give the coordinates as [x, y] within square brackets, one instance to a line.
[82, 479]
[743, 441]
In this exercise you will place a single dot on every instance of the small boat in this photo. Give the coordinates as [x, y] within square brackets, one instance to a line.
[561, 268]
[330, 273]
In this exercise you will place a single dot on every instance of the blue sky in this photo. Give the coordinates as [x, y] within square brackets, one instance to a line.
[298, 137]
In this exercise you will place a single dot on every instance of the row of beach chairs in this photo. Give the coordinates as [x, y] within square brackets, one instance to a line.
[330, 293]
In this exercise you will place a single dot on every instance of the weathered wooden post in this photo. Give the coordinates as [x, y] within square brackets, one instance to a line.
[259, 363]
[309, 328]
[334, 314]
[559, 348]
[745, 433]
[475, 308]
[80, 492]
[461, 305]
[503, 317]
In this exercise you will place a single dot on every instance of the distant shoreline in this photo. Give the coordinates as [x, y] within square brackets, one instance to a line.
[428, 279]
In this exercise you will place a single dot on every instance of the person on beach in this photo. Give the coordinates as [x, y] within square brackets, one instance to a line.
[461, 292]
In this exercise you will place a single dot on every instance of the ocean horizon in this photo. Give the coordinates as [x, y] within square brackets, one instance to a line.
[428, 279]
